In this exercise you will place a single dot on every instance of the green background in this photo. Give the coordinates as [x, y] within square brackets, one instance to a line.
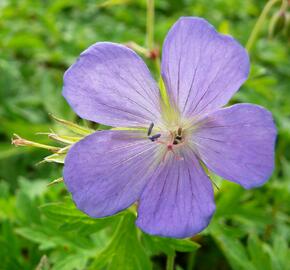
[39, 226]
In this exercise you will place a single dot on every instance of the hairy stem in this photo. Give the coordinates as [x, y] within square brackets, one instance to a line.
[170, 262]
[150, 25]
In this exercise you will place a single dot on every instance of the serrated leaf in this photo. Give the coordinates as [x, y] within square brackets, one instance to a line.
[70, 218]
[36, 236]
[71, 262]
[124, 251]
[62, 210]
[26, 208]
[169, 245]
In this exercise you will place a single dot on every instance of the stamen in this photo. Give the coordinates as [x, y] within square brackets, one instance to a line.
[177, 138]
[155, 137]
[150, 129]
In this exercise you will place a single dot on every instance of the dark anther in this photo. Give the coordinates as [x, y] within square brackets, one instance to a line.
[150, 129]
[178, 137]
[155, 137]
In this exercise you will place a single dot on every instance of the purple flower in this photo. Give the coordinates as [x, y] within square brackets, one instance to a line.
[156, 158]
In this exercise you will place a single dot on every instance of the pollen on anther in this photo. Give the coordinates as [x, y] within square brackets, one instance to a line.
[150, 129]
[155, 137]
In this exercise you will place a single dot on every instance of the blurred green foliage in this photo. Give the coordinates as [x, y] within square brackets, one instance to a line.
[39, 226]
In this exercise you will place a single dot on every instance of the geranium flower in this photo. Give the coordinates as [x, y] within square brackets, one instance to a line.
[157, 158]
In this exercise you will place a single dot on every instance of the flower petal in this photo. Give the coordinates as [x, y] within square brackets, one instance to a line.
[178, 201]
[201, 68]
[106, 171]
[238, 144]
[111, 84]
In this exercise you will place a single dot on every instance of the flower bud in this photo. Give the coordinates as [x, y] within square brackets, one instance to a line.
[277, 23]
[287, 25]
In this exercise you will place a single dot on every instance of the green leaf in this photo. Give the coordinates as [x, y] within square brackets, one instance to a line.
[169, 245]
[279, 253]
[10, 249]
[32, 189]
[4, 190]
[49, 237]
[259, 256]
[45, 241]
[110, 3]
[70, 218]
[62, 210]
[232, 249]
[124, 251]
[70, 262]
[26, 208]
[230, 194]
[50, 95]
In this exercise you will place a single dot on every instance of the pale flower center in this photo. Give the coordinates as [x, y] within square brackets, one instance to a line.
[172, 140]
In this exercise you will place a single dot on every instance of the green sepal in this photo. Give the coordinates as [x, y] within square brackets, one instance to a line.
[73, 126]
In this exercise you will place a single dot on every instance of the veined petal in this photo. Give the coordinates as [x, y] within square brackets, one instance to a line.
[110, 84]
[201, 68]
[238, 143]
[106, 171]
[178, 201]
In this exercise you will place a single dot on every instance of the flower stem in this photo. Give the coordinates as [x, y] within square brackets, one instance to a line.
[260, 22]
[137, 48]
[284, 5]
[150, 25]
[191, 260]
[170, 262]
